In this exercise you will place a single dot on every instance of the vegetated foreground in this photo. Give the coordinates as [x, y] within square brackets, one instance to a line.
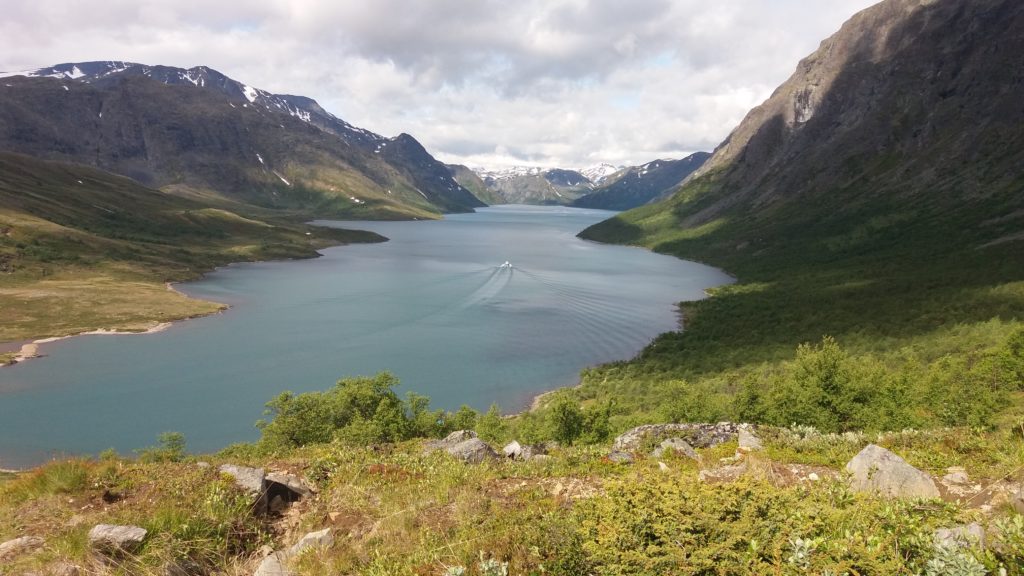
[345, 485]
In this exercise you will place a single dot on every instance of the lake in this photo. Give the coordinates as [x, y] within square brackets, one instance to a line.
[436, 306]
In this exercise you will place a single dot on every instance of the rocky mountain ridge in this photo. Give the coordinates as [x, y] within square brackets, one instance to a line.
[202, 131]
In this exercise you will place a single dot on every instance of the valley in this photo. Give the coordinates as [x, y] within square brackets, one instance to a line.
[801, 353]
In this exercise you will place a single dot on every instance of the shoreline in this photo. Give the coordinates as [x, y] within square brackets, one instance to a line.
[32, 350]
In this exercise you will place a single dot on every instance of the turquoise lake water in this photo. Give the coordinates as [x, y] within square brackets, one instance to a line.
[434, 305]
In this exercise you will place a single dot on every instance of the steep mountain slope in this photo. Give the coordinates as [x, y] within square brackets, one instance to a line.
[199, 130]
[82, 249]
[905, 121]
[876, 197]
[469, 180]
[639, 185]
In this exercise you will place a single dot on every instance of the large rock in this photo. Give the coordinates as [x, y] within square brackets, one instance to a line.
[512, 450]
[248, 479]
[464, 445]
[291, 482]
[877, 470]
[19, 546]
[113, 540]
[696, 435]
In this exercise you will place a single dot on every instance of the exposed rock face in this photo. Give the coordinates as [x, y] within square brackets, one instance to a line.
[878, 470]
[696, 435]
[723, 473]
[18, 546]
[114, 540]
[464, 445]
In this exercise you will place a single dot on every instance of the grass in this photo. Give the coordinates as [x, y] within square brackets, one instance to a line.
[395, 509]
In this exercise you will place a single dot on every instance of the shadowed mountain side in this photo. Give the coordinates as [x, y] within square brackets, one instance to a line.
[876, 196]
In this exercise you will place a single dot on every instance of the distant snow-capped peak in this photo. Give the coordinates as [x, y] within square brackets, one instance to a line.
[510, 172]
[599, 172]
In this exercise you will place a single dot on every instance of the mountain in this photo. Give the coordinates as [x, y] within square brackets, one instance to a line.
[639, 185]
[82, 249]
[197, 131]
[901, 133]
[534, 185]
[471, 181]
[599, 172]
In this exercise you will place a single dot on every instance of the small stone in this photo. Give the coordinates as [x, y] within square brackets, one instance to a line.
[813, 477]
[203, 465]
[19, 546]
[322, 539]
[111, 539]
[248, 479]
[878, 470]
[964, 536]
[621, 457]
[663, 467]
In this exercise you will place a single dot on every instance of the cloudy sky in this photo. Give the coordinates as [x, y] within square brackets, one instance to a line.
[566, 83]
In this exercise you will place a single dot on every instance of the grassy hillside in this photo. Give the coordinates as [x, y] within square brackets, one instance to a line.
[898, 232]
[81, 249]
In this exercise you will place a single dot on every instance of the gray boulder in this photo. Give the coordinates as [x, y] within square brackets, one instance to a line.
[677, 445]
[964, 536]
[877, 470]
[113, 540]
[512, 450]
[19, 546]
[517, 451]
[322, 539]
[248, 479]
[696, 435]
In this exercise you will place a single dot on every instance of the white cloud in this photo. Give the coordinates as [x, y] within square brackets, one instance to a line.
[550, 82]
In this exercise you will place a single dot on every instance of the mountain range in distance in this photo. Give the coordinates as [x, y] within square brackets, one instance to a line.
[601, 186]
